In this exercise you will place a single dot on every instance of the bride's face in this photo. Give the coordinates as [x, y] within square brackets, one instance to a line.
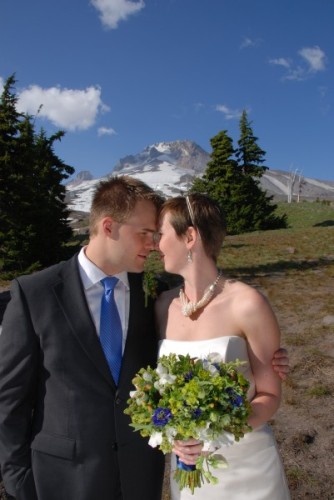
[172, 247]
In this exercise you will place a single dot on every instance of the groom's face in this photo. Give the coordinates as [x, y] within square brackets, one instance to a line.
[134, 238]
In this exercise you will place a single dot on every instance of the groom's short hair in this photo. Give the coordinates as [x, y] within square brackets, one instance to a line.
[117, 196]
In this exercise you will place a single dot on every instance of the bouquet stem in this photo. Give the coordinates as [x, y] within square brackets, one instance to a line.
[187, 476]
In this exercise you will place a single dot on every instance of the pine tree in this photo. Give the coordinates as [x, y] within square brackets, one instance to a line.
[249, 154]
[33, 216]
[235, 184]
[222, 177]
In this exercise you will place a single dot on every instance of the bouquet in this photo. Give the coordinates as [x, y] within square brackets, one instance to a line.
[187, 397]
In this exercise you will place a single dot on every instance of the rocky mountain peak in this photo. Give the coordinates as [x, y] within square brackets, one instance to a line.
[183, 154]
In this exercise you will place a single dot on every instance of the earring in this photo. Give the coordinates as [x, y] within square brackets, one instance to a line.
[189, 256]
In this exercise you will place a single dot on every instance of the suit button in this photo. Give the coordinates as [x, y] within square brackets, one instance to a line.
[114, 447]
[117, 401]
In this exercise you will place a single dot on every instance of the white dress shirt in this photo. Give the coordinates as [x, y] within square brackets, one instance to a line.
[91, 276]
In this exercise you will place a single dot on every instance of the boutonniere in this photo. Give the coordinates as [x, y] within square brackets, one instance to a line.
[153, 268]
[150, 286]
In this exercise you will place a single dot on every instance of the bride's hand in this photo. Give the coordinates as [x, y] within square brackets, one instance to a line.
[188, 451]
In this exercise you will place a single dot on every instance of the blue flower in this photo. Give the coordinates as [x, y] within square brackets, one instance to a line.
[197, 413]
[217, 365]
[161, 416]
[235, 398]
[188, 376]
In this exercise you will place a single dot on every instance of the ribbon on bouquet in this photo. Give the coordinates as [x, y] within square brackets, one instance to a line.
[183, 466]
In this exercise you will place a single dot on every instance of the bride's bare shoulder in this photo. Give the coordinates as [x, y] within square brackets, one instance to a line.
[239, 289]
[244, 297]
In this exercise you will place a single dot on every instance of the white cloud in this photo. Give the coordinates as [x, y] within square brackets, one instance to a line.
[249, 42]
[2, 83]
[280, 61]
[315, 58]
[230, 114]
[66, 108]
[114, 11]
[298, 74]
[106, 131]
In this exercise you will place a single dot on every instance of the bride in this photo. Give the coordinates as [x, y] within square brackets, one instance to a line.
[211, 313]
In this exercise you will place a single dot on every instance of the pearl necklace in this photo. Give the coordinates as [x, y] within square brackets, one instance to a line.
[188, 308]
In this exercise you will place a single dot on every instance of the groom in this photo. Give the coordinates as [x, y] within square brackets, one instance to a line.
[63, 433]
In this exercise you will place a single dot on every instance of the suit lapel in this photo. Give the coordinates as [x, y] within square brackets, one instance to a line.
[71, 297]
[141, 344]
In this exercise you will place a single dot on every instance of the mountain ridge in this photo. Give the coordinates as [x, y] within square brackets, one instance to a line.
[170, 167]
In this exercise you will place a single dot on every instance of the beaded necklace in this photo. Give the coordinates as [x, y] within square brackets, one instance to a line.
[188, 308]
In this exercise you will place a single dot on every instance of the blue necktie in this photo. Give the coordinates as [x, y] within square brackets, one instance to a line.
[111, 328]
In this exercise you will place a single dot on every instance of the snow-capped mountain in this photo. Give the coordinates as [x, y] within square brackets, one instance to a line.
[82, 176]
[170, 167]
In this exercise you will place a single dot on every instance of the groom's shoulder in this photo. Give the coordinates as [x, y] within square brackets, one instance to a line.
[49, 273]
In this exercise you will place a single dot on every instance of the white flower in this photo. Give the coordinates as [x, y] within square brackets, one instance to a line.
[224, 439]
[161, 370]
[164, 376]
[214, 357]
[209, 363]
[147, 376]
[213, 370]
[155, 439]
[170, 434]
[203, 434]
[158, 386]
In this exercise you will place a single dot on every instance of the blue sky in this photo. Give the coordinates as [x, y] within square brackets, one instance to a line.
[119, 75]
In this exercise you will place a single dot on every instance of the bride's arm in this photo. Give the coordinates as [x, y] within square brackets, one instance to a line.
[259, 325]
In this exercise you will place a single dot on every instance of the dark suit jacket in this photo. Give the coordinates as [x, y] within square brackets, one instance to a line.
[63, 433]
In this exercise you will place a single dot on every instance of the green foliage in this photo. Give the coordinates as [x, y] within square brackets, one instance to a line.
[33, 216]
[232, 179]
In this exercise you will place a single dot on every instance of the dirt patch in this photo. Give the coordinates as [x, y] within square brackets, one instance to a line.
[304, 425]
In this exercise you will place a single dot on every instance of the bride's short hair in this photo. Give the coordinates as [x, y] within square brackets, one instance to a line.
[201, 212]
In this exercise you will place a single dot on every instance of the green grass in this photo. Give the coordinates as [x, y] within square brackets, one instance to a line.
[308, 241]
[307, 214]
[319, 390]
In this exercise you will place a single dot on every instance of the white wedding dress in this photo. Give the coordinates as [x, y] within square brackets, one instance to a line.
[255, 470]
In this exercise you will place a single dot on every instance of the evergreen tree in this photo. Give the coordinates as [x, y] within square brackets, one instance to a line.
[222, 177]
[235, 185]
[33, 216]
[249, 154]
